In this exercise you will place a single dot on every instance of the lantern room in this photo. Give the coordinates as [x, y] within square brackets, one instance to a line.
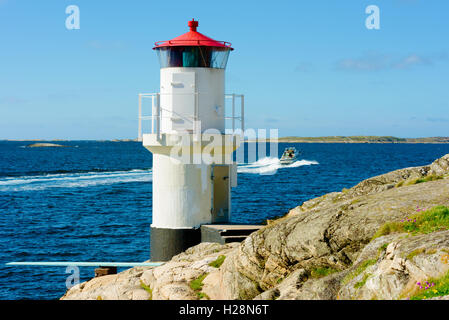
[193, 50]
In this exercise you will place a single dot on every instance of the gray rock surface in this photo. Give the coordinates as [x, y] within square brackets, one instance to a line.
[405, 262]
[170, 281]
[333, 232]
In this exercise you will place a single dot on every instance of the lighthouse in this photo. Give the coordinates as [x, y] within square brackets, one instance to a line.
[192, 146]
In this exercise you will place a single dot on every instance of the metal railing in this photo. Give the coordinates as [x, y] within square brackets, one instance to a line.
[156, 114]
[233, 96]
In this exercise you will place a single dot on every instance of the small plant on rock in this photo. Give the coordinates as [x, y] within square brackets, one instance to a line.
[320, 272]
[218, 262]
[197, 284]
[423, 222]
[432, 288]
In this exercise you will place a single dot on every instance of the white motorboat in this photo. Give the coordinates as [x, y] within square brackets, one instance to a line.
[289, 156]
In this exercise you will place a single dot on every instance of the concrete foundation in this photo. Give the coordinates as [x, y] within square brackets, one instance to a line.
[166, 243]
[225, 233]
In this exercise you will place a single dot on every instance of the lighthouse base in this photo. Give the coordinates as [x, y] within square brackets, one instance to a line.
[166, 243]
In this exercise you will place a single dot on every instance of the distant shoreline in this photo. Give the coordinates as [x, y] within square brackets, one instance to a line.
[327, 139]
[361, 139]
[354, 142]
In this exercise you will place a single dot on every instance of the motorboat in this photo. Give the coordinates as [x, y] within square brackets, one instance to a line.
[289, 156]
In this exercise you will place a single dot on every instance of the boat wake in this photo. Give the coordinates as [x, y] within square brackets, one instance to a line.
[268, 166]
[265, 166]
[73, 180]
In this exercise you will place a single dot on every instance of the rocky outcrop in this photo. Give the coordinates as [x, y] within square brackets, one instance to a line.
[376, 184]
[123, 286]
[388, 268]
[440, 166]
[170, 281]
[323, 249]
[45, 145]
[399, 268]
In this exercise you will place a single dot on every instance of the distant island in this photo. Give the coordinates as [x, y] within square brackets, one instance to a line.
[45, 145]
[361, 139]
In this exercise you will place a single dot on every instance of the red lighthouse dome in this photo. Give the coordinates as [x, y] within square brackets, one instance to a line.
[193, 49]
[193, 38]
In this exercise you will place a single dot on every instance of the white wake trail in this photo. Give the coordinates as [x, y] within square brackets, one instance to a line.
[264, 166]
[270, 165]
[73, 180]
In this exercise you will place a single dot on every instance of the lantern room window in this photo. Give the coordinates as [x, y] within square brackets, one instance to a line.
[193, 57]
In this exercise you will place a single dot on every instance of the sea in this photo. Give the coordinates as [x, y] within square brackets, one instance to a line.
[92, 200]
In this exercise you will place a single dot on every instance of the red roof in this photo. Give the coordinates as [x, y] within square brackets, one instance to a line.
[193, 38]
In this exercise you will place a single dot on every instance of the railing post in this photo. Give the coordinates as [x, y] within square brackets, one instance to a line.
[158, 114]
[196, 115]
[242, 118]
[153, 112]
[196, 121]
[139, 130]
[233, 112]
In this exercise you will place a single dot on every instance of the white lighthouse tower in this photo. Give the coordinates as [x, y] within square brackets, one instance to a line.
[193, 171]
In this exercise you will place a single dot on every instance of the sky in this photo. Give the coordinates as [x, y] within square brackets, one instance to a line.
[307, 68]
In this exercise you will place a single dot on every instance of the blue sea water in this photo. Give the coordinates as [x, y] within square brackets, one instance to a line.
[92, 201]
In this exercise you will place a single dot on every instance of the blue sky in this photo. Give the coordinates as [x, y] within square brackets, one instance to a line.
[309, 68]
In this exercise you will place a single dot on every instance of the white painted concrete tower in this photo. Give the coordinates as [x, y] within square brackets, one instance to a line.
[193, 169]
